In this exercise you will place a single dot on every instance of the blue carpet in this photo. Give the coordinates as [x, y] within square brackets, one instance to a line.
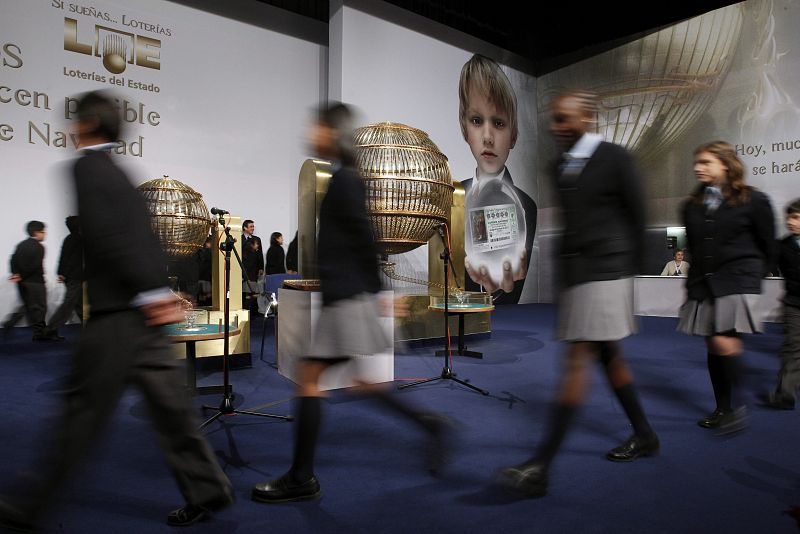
[370, 463]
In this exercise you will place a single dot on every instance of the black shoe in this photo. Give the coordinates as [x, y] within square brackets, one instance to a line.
[635, 447]
[777, 401]
[48, 337]
[732, 422]
[52, 335]
[441, 429]
[712, 420]
[528, 479]
[284, 489]
[192, 513]
[13, 520]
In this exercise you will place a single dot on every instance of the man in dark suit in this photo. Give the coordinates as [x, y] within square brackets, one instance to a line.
[27, 272]
[70, 273]
[248, 227]
[122, 343]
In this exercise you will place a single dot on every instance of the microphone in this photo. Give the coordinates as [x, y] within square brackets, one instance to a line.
[217, 211]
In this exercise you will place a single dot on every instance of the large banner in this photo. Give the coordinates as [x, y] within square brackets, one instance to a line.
[395, 73]
[217, 104]
[732, 74]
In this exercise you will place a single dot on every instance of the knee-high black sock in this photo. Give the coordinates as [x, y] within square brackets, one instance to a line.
[633, 409]
[729, 376]
[391, 401]
[308, 414]
[560, 421]
[722, 387]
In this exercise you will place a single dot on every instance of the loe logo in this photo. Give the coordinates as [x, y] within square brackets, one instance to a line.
[117, 48]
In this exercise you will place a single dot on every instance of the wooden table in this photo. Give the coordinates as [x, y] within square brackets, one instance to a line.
[201, 332]
[462, 310]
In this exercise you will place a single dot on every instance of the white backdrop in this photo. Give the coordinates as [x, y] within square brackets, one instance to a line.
[233, 105]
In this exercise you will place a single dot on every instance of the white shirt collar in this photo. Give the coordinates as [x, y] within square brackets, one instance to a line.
[101, 146]
[585, 146]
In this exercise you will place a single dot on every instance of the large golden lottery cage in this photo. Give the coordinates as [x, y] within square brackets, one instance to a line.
[409, 190]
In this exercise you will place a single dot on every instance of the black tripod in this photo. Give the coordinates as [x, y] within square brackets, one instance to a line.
[226, 405]
[447, 372]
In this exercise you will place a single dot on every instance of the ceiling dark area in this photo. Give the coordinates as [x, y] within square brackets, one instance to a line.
[548, 34]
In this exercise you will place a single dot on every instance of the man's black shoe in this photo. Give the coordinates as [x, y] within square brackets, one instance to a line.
[712, 420]
[285, 489]
[777, 401]
[528, 479]
[192, 513]
[635, 447]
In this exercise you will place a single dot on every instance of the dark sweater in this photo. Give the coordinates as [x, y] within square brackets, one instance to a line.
[603, 209]
[122, 256]
[276, 260]
[27, 261]
[731, 248]
[346, 251]
[70, 263]
[789, 264]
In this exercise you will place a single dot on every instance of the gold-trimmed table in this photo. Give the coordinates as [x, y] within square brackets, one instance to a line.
[461, 310]
[177, 333]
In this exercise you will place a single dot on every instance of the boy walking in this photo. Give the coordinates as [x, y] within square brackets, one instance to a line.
[783, 398]
[28, 273]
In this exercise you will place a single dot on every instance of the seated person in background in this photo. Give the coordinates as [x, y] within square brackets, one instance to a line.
[676, 267]
[276, 257]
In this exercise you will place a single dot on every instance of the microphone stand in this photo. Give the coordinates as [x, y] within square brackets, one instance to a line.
[226, 405]
[447, 372]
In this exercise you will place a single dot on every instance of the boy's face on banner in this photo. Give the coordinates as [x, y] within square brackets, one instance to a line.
[488, 134]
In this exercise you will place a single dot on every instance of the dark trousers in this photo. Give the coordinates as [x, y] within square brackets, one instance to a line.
[789, 375]
[116, 350]
[34, 306]
[73, 302]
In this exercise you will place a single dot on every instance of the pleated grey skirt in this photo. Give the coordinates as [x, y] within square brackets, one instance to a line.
[596, 311]
[349, 328]
[729, 314]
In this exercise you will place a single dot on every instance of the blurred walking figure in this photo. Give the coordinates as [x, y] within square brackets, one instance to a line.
[70, 273]
[27, 271]
[348, 324]
[602, 243]
[784, 395]
[121, 343]
[730, 231]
